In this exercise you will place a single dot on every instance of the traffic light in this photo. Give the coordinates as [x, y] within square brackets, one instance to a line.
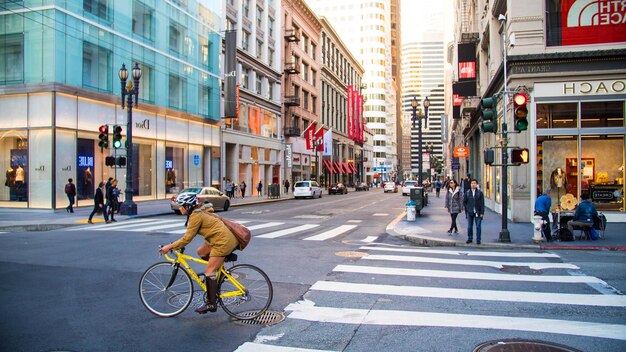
[104, 136]
[490, 156]
[520, 156]
[109, 161]
[120, 161]
[117, 136]
[520, 112]
[487, 109]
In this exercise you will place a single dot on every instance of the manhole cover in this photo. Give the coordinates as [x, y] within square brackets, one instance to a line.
[522, 270]
[351, 254]
[514, 345]
[268, 318]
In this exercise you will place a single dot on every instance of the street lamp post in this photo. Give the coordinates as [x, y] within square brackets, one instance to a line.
[130, 91]
[430, 148]
[418, 118]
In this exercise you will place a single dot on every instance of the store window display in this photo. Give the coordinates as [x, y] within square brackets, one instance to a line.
[14, 154]
[174, 169]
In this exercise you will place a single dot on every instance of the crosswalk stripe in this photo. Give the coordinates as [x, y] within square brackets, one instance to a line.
[288, 231]
[161, 226]
[467, 275]
[473, 294]
[369, 239]
[464, 253]
[493, 264]
[310, 312]
[331, 233]
[92, 227]
[258, 347]
[178, 232]
[262, 226]
[127, 226]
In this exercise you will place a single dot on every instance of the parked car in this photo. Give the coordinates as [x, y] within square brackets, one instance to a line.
[406, 187]
[337, 188]
[205, 195]
[304, 189]
[362, 186]
[390, 187]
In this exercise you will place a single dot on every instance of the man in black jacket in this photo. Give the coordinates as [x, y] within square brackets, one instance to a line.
[474, 204]
[98, 204]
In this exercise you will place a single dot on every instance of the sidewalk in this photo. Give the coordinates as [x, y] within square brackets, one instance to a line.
[12, 219]
[430, 229]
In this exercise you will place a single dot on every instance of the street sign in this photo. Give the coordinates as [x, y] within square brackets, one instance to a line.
[461, 152]
[456, 166]
[196, 159]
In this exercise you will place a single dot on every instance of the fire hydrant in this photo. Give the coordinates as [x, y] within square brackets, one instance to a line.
[410, 210]
[538, 223]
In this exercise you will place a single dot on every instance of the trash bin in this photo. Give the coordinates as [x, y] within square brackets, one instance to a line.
[273, 191]
[417, 195]
[410, 210]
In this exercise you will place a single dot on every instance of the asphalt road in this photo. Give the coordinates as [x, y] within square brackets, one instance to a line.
[76, 290]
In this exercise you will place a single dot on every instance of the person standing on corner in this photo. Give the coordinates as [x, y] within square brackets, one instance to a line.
[111, 197]
[474, 204]
[259, 188]
[542, 208]
[98, 204]
[454, 204]
[243, 186]
[70, 190]
[437, 187]
[286, 184]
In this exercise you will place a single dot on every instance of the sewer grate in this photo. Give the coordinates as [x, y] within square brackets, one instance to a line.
[513, 345]
[270, 317]
[521, 270]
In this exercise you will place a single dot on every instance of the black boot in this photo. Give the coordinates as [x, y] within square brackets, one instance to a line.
[211, 304]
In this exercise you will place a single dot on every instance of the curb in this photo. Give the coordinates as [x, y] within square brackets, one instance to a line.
[584, 248]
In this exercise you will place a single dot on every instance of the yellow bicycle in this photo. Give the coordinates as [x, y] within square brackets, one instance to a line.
[244, 291]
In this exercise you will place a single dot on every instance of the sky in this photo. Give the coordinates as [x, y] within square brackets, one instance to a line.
[420, 16]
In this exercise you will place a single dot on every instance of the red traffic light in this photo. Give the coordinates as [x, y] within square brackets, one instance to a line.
[104, 129]
[520, 99]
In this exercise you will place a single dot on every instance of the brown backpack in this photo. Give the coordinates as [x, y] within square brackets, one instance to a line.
[241, 232]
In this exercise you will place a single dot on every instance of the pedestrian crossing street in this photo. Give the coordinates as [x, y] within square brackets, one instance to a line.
[266, 230]
[415, 294]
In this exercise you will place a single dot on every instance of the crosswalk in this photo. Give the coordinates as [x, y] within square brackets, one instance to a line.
[259, 229]
[425, 292]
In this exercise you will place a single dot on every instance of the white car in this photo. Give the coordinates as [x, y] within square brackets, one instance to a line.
[406, 187]
[390, 187]
[304, 189]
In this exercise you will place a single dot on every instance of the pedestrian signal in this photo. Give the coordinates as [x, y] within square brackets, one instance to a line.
[520, 156]
[490, 156]
[487, 110]
[117, 136]
[109, 161]
[104, 136]
[520, 100]
[120, 161]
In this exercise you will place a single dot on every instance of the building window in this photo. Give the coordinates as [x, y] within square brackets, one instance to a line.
[270, 57]
[143, 20]
[305, 100]
[230, 25]
[270, 90]
[146, 90]
[313, 50]
[177, 92]
[203, 100]
[313, 103]
[245, 75]
[246, 8]
[259, 49]
[270, 27]
[205, 46]
[12, 58]
[176, 37]
[313, 77]
[305, 72]
[96, 67]
[245, 40]
[259, 17]
[259, 84]
[305, 43]
[97, 8]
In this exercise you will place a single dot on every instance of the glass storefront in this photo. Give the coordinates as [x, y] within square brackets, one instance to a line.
[580, 151]
[174, 170]
[14, 158]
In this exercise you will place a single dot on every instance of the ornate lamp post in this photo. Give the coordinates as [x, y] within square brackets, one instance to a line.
[130, 91]
[418, 118]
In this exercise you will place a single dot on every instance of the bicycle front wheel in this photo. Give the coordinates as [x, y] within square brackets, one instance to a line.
[161, 299]
[257, 296]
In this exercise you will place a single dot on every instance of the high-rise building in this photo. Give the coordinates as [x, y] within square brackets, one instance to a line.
[423, 77]
[365, 27]
[59, 83]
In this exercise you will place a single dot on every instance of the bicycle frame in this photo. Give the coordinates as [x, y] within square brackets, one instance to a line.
[182, 260]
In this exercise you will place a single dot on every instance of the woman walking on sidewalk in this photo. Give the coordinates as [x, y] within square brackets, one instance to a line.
[454, 204]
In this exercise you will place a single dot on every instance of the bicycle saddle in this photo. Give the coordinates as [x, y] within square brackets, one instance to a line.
[230, 258]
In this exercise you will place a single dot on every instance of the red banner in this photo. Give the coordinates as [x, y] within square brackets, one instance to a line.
[592, 22]
[319, 139]
[467, 70]
[361, 125]
[309, 134]
[355, 113]
[350, 112]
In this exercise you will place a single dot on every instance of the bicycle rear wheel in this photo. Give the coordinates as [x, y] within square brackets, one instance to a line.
[257, 297]
[160, 299]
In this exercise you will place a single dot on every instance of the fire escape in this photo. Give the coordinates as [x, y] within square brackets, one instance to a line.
[291, 70]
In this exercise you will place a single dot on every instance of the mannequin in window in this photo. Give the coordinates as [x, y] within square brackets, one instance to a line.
[170, 178]
[558, 181]
[87, 181]
[10, 177]
[19, 176]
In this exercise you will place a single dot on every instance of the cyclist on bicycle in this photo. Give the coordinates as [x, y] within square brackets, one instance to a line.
[218, 242]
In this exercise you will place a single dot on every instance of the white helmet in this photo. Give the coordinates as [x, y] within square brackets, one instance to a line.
[187, 198]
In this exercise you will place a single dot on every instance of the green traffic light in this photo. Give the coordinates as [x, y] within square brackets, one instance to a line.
[117, 144]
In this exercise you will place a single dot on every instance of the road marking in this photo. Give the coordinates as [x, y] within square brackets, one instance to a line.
[288, 231]
[331, 233]
[241, 221]
[262, 226]
[465, 253]
[411, 318]
[91, 227]
[355, 221]
[472, 294]
[178, 232]
[467, 275]
[380, 214]
[311, 217]
[369, 239]
[497, 265]
[134, 226]
[257, 347]
[159, 227]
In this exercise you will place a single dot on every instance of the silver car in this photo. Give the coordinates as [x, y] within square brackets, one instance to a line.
[205, 195]
[304, 189]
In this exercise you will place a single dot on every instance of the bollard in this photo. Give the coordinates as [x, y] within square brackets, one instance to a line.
[538, 223]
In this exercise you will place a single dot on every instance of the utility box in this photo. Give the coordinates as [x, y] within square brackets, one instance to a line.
[417, 196]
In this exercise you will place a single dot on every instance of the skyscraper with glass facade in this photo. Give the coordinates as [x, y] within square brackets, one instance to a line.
[59, 63]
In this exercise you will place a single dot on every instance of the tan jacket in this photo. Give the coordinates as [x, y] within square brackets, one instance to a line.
[215, 233]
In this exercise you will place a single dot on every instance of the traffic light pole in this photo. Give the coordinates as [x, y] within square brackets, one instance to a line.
[505, 235]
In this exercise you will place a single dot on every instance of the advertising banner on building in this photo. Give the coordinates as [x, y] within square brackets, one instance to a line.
[460, 91]
[361, 122]
[355, 112]
[467, 61]
[319, 139]
[350, 111]
[309, 135]
[288, 155]
[328, 143]
[578, 22]
[231, 101]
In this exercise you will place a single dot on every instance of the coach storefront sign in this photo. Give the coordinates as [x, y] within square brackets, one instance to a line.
[288, 155]
[578, 88]
[461, 152]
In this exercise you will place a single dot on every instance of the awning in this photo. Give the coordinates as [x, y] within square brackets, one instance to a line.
[347, 166]
[354, 170]
[329, 167]
[338, 166]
